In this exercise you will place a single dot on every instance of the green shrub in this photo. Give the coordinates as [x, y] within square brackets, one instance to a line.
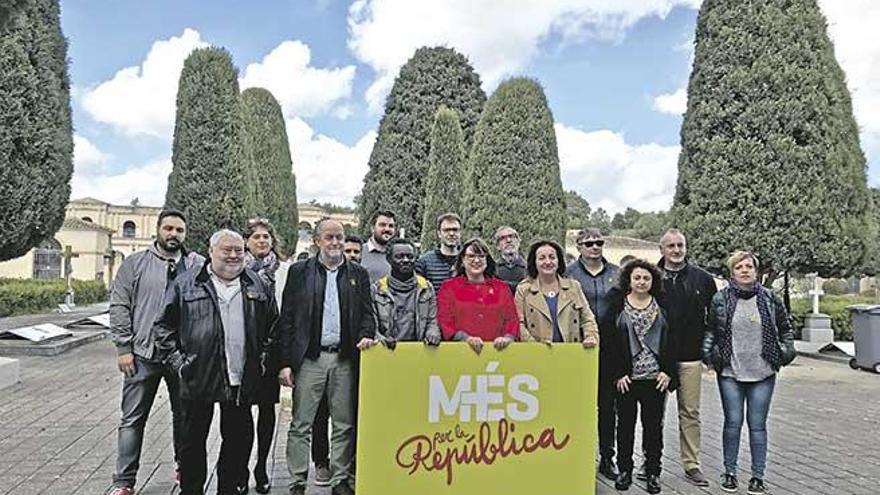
[22, 296]
[835, 287]
[833, 306]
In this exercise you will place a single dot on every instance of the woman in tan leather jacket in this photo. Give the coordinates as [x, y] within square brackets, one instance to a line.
[552, 307]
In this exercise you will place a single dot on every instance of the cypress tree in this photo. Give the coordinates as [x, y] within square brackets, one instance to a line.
[444, 182]
[36, 133]
[267, 152]
[514, 166]
[210, 180]
[8, 8]
[398, 163]
[770, 155]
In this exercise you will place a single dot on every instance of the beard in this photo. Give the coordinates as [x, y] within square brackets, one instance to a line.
[171, 245]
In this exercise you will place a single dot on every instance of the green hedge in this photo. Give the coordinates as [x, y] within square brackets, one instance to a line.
[21, 296]
[833, 306]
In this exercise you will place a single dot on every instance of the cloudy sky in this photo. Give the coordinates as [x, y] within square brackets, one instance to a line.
[614, 73]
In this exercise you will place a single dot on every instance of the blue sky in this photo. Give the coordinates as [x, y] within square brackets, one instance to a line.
[614, 74]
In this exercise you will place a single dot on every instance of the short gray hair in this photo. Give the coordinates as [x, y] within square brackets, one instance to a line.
[672, 231]
[223, 233]
[503, 228]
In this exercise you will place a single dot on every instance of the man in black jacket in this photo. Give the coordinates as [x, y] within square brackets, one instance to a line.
[597, 277]
[687, 293]
[212, 332]
[326, 319]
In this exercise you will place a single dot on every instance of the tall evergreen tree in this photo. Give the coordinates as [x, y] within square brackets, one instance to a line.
[432, 77]
[770, 155]
[8, 8]
[267, 151]
[444, 183]
[36, 143]
[210, 180]
[514, 166]
[577, 211]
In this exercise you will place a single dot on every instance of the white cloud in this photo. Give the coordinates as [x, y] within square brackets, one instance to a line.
[612, 174]
[326, 169]
[86, 156]
[302, 90]
[672, 103]
[140, 100]
[851, 24]
[146, 182]
[499, 38]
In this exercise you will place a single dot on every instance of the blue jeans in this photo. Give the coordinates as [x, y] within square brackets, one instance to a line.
[735, 396]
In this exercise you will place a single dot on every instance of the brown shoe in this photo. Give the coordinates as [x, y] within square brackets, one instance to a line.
[695, 476]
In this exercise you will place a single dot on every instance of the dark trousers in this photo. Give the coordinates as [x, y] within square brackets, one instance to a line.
[265, 435]
[607, 417]
[643, 395]
[138, 394]
[237, 433]
[320, 435]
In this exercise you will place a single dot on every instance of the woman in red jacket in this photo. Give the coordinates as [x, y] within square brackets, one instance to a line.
[476, 307]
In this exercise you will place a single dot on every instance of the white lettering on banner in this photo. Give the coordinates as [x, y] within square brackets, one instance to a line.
[484, 395]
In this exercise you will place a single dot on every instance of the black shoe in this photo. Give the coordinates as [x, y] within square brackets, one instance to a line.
[342, 489]
[607, 469]
[261, 479]
[298, 490]
[652, 484]
[241, 489]
[728, 483]
[756, 487]
[642, 475]
[624, 480]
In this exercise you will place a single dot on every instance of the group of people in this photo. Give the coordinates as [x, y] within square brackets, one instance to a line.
[232, 328]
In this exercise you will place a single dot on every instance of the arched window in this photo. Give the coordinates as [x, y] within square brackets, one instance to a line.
[87, 219]
[129, 229]
[47, 260]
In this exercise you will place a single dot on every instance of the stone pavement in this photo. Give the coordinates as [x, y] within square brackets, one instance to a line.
[58, 432]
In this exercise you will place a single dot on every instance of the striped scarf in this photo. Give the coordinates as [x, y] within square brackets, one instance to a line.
[770, 350]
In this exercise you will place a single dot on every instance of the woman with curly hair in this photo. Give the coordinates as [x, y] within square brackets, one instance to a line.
[643, 366]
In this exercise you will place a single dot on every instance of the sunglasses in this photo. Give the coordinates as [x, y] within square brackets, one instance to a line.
[589, 244]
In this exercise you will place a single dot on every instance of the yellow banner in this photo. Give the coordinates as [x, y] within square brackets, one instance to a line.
[448, 421]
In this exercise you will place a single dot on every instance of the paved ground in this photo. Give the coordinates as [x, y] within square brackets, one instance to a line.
[58, 432]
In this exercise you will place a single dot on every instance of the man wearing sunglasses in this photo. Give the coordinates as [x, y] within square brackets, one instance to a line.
[596, 276]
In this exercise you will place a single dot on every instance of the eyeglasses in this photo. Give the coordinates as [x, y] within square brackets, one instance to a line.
[589, 244]
[450, 230]
[257, 221]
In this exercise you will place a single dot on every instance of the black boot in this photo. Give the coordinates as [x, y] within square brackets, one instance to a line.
[607, 469]
[624, 480]
[652, 484]
[261, 479]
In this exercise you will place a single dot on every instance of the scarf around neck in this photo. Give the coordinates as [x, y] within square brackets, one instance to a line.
[769, 340]
[265, 267]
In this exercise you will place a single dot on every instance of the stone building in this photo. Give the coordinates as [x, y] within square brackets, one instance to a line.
[101, 235]
[89, 242]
